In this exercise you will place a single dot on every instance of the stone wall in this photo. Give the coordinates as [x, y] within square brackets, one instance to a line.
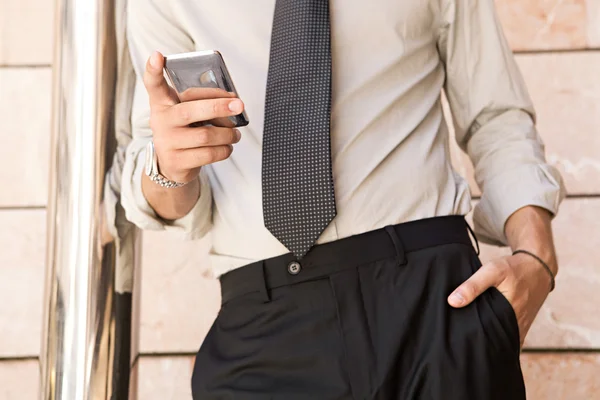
[558, 48]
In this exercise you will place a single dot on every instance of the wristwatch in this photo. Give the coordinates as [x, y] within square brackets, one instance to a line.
[152, 169]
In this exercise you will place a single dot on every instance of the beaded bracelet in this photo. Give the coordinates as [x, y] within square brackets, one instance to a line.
[546, 267]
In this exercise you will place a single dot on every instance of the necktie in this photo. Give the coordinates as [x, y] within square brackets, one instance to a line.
[297, 185]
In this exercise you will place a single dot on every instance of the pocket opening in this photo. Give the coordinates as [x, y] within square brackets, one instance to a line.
[497, 318]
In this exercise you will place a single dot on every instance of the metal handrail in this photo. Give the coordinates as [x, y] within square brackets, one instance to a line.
[89, 344]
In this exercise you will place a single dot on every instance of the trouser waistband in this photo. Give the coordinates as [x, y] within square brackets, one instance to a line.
[328, 258]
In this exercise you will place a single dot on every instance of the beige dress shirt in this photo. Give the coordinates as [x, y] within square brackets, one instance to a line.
[390, 151]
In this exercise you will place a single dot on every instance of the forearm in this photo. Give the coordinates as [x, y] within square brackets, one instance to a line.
[516, 180]
[171, 204]
[530, 228]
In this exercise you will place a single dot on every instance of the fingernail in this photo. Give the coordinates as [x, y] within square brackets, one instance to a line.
[155, 60]
[236, 106]
[238, 135]
[457, 298]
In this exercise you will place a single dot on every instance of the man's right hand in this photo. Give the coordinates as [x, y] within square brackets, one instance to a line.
[183, 147]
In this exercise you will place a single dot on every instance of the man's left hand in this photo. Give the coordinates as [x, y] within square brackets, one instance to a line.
[522, 279]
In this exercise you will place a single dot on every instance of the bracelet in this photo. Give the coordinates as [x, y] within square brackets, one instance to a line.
[546, 267]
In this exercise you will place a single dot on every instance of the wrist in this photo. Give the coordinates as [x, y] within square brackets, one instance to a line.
[544, 249]
[171, 203]
[162, 177]
[546, 255]
[181, 178]
[529, 228]
[544, 267]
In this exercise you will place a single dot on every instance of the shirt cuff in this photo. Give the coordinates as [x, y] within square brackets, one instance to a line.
[528, 185]
[137, 209]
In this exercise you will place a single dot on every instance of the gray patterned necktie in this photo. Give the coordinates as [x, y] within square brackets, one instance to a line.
[297, 185]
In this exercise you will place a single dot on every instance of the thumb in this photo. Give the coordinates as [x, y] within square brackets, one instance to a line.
[159, 91]
[479, 282]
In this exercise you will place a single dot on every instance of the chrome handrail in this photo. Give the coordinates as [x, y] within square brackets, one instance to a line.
[89, 344]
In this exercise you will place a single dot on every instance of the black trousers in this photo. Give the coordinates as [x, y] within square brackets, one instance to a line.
[364, 317]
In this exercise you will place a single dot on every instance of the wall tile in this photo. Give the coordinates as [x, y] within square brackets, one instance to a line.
[565, 90]
[179, 302]
[165, 378]
[529, 25]
[570, 317]
[26, 32]
[561, 376]
[547, 24]
[26, 27]
[19, 380]
[593, 23]
[24, 135]
[547, 376]
[22, 244]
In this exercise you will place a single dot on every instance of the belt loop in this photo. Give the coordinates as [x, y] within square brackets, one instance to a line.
[400, 253]
[262, 277]
[473, 234]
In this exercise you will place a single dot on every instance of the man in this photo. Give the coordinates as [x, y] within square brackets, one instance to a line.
[337, 224]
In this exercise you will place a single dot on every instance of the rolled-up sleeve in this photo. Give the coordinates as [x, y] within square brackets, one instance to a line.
[494, 118]
[150, 27]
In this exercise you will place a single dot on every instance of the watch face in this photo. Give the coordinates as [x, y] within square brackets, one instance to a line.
[149, 158]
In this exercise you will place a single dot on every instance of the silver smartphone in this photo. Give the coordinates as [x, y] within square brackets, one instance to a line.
[202, 69]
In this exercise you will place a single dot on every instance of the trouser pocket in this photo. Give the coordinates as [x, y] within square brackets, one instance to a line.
[498, 320]
[475, 352]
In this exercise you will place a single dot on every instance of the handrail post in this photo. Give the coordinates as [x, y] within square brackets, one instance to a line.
[89, 342]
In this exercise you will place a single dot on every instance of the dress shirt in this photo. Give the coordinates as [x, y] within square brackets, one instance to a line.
[389, 139]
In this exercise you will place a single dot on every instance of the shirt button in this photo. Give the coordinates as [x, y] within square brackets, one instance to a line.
[294, 268]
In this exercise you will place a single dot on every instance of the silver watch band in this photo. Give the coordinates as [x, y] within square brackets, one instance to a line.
[164, 182]
[152, 169]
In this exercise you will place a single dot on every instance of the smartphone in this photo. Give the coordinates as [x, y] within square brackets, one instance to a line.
[187, 72]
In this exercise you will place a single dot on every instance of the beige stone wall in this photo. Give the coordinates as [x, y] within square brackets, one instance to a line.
[558, 46]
